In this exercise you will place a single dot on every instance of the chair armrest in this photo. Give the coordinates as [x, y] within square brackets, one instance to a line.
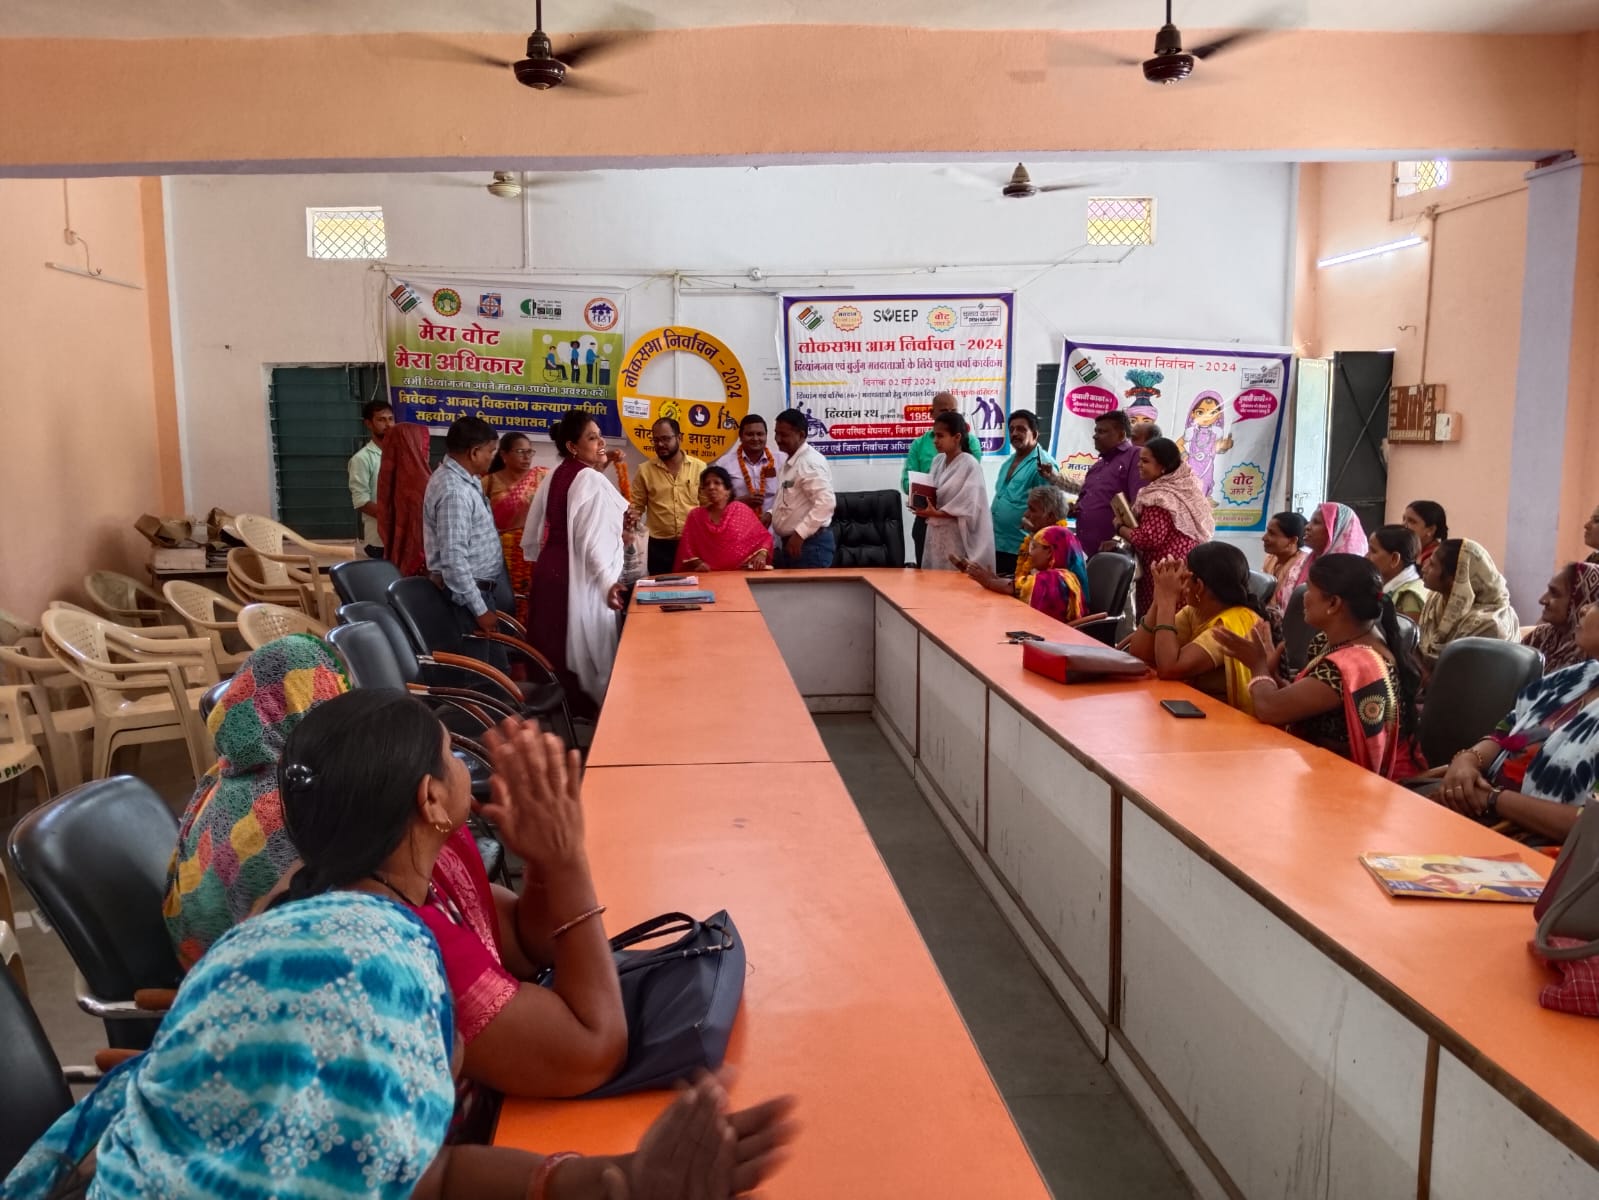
[1088, 620]
[511, 626]
[516, 644]
[107, 1009]
[1102, 630]
[482, 669]
[155, 999]
[499, 707]
[104, 1060]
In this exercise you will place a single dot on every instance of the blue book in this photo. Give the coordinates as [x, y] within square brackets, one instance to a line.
[667, 596]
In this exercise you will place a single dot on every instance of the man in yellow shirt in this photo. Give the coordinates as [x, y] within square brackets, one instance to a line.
[665, 490]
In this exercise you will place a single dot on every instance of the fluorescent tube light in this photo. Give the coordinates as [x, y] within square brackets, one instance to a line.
[1401, 244]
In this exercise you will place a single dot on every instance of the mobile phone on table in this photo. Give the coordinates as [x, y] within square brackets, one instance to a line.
[1182, 708]
[680, 608]
[1022, 635]
[670, 578]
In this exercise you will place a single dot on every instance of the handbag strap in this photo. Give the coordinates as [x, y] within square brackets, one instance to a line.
[1571, 891]
[661, 926]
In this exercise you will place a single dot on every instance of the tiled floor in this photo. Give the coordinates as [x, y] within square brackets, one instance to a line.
[1085, 1135]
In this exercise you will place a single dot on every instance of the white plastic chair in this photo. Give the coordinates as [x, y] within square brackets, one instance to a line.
[124, 599]
[141, 689]
[263, 623]
[210, 615]
[288, 559]
[18, 754]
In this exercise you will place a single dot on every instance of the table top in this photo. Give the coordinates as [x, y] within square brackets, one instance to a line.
[843, 1006]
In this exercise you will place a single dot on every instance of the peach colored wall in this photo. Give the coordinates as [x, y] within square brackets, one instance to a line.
[770, 91]
[163, 378]
[80, 462]
[1471, 323]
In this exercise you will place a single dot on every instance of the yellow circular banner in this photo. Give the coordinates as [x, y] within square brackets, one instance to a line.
[710, 427]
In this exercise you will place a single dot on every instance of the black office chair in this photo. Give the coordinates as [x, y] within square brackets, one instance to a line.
[869, 529]
[1296, 632]
[1264, 586]
[213, 697]
[33, 1090]
[430, 621]
[1409, 638]
[1110, 577]
[363, 579]
[1472, 688]
[95, 861]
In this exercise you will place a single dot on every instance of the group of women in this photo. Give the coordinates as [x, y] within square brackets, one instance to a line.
[358, 995]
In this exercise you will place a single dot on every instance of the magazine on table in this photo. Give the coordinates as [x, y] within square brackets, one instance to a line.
[1501, 877]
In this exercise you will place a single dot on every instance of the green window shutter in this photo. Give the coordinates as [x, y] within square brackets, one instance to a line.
[1046, 380]
[316, 426]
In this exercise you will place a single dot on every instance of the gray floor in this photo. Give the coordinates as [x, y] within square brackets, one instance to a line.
[1085, 1135]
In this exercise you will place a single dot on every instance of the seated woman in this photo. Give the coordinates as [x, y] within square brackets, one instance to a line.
[720, 535]
[1428, 521]
[1392, 550]
[1469, 599]
[1178, 635]
[402, 801]
[509, 485]
[332, 1075]
[1332, 529]
[1354, 697]
[960, 527]
[1046, 506]
[1555, 636]
[1284, 541]
[1058, 585]
[1541, 765]
[574, 531]
[232, 847]
[1174, 515]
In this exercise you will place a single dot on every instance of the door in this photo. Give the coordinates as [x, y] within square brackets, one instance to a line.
[1357, 433]
[1312, 400]
[316, 426]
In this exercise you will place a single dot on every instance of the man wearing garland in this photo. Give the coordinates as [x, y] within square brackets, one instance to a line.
[754, 467]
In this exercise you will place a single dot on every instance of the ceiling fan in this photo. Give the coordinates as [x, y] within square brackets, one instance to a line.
[1019, 186]
[508, 185]
[542, 68]
[1171, 63]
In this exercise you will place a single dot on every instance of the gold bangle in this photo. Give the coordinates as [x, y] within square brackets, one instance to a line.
[578, 920]
[1475, 757]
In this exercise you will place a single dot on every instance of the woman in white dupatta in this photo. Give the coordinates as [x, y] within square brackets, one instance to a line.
[960, 530]
[574, 535]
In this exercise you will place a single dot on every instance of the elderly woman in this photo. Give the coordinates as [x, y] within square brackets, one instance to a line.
[1332, 529]
[1469, 599]
[308, 1054]
[1172, 510]
[720, 535]
[1058, 586]
[1047, 505]
[1541, 765]
[1573, 588]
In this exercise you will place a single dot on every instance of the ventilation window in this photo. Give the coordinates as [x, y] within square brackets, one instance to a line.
[345, 233]
[1121, 221]
[1421, 176]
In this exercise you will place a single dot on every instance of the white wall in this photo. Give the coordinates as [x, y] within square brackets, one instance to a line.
[247, 295]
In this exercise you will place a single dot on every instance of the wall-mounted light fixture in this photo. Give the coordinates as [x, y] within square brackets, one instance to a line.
[1369, 251]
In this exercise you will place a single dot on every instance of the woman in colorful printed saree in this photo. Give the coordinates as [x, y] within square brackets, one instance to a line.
[720, 535]
[1469, 599]
[1058, 583]
[232, 847]
[1355, 697]
[1555, 636]
[1193, 603]
[510, 485]
[1541, 765]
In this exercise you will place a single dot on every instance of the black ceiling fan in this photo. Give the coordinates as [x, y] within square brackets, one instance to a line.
[542, 69]
[1171, 63]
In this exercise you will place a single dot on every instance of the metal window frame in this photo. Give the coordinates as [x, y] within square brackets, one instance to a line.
[1147, 201]
[315, 212]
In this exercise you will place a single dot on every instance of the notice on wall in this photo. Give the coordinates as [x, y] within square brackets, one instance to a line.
[518, 356]
[864, 369]
[1223, 406]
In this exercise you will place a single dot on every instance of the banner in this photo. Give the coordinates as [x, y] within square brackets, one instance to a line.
[1222, 406]
[709, 427]
[516, 355]
[864, 369]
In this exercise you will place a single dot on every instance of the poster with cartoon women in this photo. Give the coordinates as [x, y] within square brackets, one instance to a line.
[1221, 404]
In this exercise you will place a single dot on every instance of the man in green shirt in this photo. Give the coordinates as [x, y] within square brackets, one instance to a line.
[378, 418]
[920, 458]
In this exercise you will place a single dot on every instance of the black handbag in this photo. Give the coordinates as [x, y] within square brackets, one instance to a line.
[680, 998]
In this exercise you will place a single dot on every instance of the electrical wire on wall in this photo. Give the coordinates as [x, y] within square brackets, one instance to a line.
[71, 237]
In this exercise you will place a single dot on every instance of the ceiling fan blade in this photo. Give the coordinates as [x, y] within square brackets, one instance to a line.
[1076, 53]
[1071, 187]
[431, 49]
[592, 87]
[1226, 42]
[972, 179]
[629, 25]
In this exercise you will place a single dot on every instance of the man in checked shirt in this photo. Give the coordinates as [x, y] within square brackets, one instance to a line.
[464, 557]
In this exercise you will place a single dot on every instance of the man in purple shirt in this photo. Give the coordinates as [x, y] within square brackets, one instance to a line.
[1116, 471]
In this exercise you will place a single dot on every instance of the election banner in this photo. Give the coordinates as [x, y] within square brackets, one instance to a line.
[709, 427]
[517, 355]
[1222, 405]
[864, 369]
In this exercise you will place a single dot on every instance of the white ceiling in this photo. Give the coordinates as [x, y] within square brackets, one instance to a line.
[269, 18]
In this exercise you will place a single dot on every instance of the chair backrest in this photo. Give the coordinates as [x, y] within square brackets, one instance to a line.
[265, 536]
[196, 602]
[213, 697]
[368, 655]
[387, 620]
[79, 637]
[1472, 688]
[116, 594]
[33, 1092]
[363, 579]
[95, 861]
[1264, 586]
[1110, 575]
[263, 623]
[1409, 637]
[427, 615]
[869, 529]
[1296, 631]
[14, 629]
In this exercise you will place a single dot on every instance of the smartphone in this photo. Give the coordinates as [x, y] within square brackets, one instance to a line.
[690, 608]
[1021, 635]
[1182, 708]
[670, 578]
